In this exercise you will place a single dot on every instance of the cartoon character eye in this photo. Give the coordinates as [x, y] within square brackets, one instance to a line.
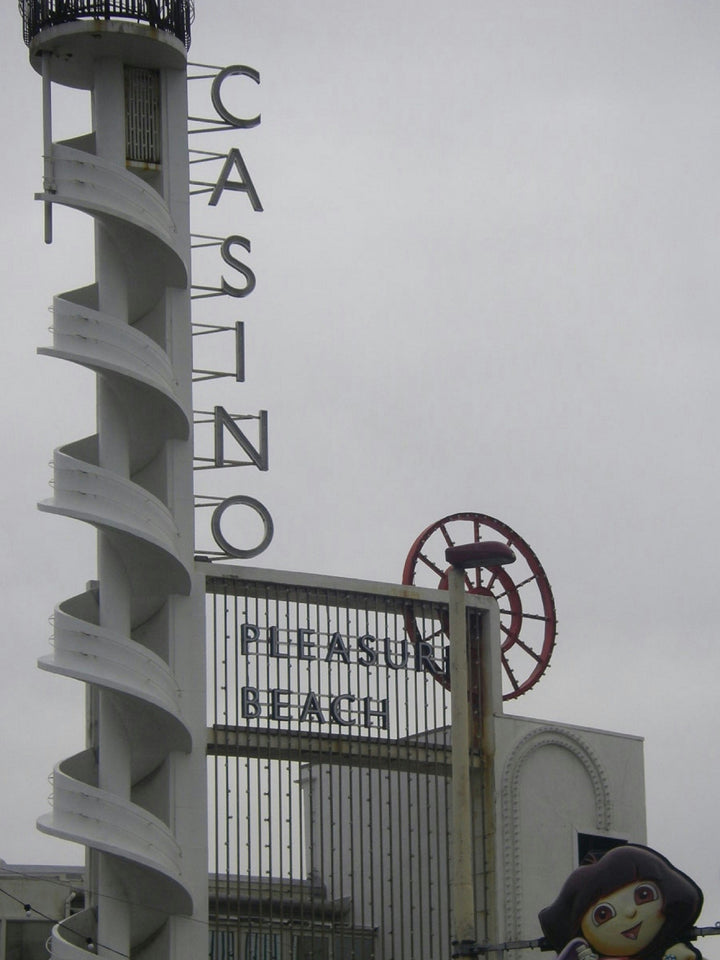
[602, 913]
[646, 893]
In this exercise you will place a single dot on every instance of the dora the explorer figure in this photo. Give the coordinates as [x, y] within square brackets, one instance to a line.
[631, 903]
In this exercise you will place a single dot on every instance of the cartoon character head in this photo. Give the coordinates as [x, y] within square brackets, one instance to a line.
[630, 903]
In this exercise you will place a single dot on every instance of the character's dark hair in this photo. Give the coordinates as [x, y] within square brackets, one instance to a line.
[682, 898]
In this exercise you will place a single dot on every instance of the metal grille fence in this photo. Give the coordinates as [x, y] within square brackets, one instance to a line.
[328, 770]
[172, 16]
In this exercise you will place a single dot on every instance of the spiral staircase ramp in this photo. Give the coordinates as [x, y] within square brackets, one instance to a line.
[118, 803]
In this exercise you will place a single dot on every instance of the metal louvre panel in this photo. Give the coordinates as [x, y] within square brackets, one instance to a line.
[328, 772]
[142, 115]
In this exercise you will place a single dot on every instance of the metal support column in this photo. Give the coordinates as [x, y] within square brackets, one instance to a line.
[473, 733]
[463, 897]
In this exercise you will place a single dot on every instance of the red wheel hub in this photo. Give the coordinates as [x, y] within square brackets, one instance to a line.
[527, 610]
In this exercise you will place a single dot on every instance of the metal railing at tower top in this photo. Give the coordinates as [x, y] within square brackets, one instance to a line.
[171, 16]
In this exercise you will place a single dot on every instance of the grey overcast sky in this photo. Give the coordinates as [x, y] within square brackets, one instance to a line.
[486, 280]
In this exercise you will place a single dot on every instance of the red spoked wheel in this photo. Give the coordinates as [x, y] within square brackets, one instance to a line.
[527, 610]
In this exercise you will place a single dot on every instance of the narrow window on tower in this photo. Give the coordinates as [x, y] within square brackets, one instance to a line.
[142, 117]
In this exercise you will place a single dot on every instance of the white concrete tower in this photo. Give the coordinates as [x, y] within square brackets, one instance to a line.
[135, 796]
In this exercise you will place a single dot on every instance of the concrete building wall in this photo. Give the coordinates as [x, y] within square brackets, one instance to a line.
[555, 783]
[382, 839]
[31, 899]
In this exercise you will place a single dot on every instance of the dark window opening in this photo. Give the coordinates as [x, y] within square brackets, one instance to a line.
[591, 846]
